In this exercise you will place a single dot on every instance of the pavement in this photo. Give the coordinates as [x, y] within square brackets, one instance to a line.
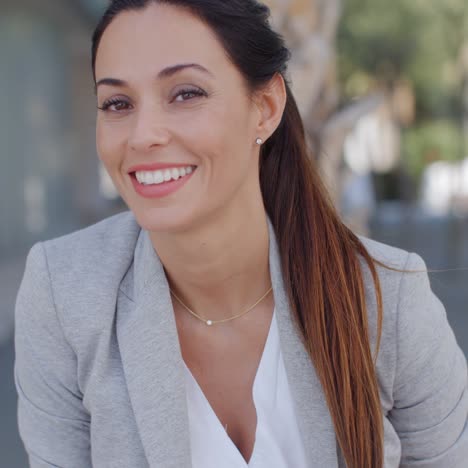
[11, 272]
[12, 454]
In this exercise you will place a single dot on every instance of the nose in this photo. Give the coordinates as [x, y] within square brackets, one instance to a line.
[148, 131]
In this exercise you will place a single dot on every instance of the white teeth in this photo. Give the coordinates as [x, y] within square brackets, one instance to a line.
[148, 178]
[175, 174]
[165, 175]
[158, 177]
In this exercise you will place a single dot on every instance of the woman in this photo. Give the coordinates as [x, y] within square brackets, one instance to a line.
[229, 319]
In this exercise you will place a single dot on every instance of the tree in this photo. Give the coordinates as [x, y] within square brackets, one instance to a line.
[310, 28]
[422, 42]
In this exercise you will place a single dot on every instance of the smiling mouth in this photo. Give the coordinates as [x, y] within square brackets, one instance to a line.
[162, 177]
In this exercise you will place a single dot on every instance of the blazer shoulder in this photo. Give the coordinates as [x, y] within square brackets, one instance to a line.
[393, 266]
[88, 265]
[390, 256]
[104, 242]
[422, 371]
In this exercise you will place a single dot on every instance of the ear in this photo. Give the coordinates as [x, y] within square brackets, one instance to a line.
[270, 102]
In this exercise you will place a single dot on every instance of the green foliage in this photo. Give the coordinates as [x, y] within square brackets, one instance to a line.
[376, 37]
[420, 40]
[381, 42]
[438, 140]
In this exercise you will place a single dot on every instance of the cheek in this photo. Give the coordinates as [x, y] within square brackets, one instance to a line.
[108, 145]
[231, 156]
[223, 131]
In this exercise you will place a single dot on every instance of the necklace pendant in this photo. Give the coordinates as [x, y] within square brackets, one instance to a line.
[209, 323]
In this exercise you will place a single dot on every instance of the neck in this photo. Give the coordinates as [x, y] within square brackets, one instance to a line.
[220, 268]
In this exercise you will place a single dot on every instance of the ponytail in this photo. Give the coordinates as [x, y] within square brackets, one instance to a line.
[321, 265]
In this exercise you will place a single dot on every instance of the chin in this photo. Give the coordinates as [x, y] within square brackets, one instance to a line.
[163, 219]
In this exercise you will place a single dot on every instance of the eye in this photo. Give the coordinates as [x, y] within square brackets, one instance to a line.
[115, 105]
[188, 94]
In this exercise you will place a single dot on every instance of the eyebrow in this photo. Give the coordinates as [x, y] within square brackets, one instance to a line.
[164, 73]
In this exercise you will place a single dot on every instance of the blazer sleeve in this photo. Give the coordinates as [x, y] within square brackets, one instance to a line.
[430, 388]
[53, 424]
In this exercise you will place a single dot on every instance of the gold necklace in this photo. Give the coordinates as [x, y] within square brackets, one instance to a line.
[213, 322]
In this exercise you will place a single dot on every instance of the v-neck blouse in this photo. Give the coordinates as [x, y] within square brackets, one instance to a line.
[278, 442]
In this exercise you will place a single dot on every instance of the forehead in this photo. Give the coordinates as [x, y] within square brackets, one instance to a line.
[157, 36]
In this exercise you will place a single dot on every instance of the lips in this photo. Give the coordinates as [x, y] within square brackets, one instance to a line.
[153, 190]
[157, 166]
[161, 176]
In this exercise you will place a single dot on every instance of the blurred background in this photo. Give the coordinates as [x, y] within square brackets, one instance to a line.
[383, 90]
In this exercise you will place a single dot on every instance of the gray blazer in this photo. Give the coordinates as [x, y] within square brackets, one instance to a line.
[100, 377]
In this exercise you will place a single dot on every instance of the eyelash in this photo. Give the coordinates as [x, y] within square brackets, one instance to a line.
[116, 101]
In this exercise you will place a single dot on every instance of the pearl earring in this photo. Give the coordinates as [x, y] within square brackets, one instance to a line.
[259, 141]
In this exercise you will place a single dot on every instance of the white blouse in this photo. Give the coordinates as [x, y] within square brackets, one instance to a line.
[278, 442]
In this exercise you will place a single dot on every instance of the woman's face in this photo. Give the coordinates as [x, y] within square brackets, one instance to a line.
[156, 114]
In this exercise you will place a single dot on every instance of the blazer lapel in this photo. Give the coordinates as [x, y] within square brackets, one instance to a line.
[152, 361]
[153, 365]
[311, 409]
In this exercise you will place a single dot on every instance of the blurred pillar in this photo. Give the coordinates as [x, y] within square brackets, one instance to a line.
[49, 182]
[33, 181]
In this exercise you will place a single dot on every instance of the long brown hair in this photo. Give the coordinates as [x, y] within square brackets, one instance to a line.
[321, 261]
[321, 258]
